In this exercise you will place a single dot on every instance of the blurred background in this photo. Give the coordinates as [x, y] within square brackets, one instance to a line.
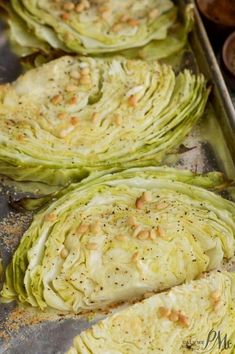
[9, 63]
[219, 20]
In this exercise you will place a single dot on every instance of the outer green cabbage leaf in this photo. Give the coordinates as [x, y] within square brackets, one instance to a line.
[75, 115]
[186, 319]
[35, 35]
[23, 42]
[116, 237]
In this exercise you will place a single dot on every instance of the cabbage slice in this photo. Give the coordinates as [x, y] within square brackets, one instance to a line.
[29, 38]
[198, 317]
[116, 237]
[100, 28]
[76, 115]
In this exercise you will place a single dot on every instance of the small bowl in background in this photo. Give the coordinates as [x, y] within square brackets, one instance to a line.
[219, 18]
[221, 12]
[228, 55]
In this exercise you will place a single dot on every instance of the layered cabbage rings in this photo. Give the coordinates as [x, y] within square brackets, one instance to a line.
[198, 317]
[76, 115]
[147, 28]
[120, 236]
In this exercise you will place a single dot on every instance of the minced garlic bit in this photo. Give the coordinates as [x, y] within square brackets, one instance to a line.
[105, 15]
[95, 227]
[85, 71]
[50, 217]
[124, 18]
[71, 88]
[57, 99]
[143, 235]
[68, 6]
[65, 16]
[21, 137]
[92, 246]
[216, 299]
[63, 133]
[80, 8]
[183, 320]
[117, 119]
[103, 8]
[152, 234]
[133, 22]
[133, 100]
[95, 118]
[117, 27]
[137, 230]
[86, 4]
[82, 229]
[217, 306]
[85, 80]
[160, 231]
[146, 196]
[215, 296]
[135, 256]
[132, 221]
[139, 203]
[174, 316]
[153, 14]
[164, 312]
[64, 253]
[105, 12]
[74, 120]
[61, 116]
[121, 238]
[75, 74]
[73, 100]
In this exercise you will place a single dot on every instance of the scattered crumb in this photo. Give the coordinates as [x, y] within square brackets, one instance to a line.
[12, 228]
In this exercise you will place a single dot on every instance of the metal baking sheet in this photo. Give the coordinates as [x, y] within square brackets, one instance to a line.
[25, 330]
